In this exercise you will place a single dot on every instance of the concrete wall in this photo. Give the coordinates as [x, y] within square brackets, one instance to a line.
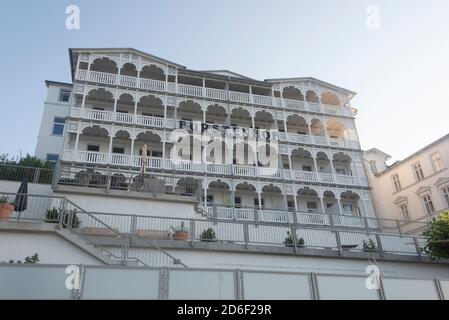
[117, 202]
[47, 142]
[50, 247]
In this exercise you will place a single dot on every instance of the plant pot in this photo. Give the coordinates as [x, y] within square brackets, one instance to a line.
[181, 235]
[5, 210]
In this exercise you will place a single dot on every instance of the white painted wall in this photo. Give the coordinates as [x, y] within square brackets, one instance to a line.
[46, 141]
[126, 205]
[33, 188]
[384, 194]
[50, 247]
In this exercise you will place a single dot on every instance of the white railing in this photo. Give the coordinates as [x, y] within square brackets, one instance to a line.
[305, 176]
[225, 169]
[150, 121]
[123, 117]
[157, 85]
[270, 172]
[312, 218]
[120, 159]
[101, 77]
[273, 215]
[150, 84]
[294, 104]
[239, 97]
[320, 140]
[128, 81]
[244, 170]
[190, 90]
[216, 94]
[99, 115]
[92, 157]
[219, 168]
[263, 100]
[300, 138]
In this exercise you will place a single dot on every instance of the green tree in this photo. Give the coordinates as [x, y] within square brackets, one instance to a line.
[31, 161]
[437, 235]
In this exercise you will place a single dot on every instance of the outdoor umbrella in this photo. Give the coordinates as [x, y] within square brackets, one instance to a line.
[20, 203]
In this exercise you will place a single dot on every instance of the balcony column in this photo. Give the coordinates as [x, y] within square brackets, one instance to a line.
[176, 115]
[340, 209]
[163, 149]
[332, 165]
[76, 141]
[204, 115]
[233, 198]
[204, 87]
[323, 209]
[295, 202]
[83, 101]
[135, 106]
[253, 122]
[284, 195]
[115, 102]
[316, 165]
[290, 162]
[259, 198]
[285, 126]
[110, 148]
[132, 150]
[205, 194]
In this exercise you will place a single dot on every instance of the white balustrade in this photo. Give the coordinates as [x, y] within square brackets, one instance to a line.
[120, 160]
[244, 171]
[101, 77]
[150, 84]
[150, 121]
[239, 96]
[263, 100]
[294, 104]
[273, 215]
[305, 176]
[313, 107]
[299, 138]
[128, 81]
[99, 115]
[219, 168]
[270, 172]
[312, 218]
[216, 94]
[123, 117]
[190, 90]
[326, 177]
[92, 157]
[345, 179]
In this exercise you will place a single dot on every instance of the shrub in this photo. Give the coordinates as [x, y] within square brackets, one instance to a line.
[208, 235]
[437, 235]
[289, 241]
[369, 245]
[53, 215]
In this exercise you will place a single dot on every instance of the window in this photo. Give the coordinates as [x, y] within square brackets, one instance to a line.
[446, 195]
[419, 175]
[156, 154]
[404, 211]
[52, 158]
[256, 202]
[428, 204]
[98, 108]
[437, 163]
[148, 152]
[238, 202]
[64, 95]
[122, 111]
[347, 208]
[340, 171]
[311, 207]
[93, 148]
[58, 126]
[396, 182]
[372, 163]
[291, 205]
[307, 168]
[118, 150]
[210, 198]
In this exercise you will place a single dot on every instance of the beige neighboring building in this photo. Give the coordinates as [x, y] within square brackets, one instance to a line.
[415, 188]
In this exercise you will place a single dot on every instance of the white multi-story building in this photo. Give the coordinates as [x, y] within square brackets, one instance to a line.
[124, 98]
[249, 189]
[414, 188]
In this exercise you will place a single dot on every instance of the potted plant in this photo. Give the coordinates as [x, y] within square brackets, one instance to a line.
[52, 216]
[289, 241]
[369, 245]
[6, 207]
[180, 233]
[208, 235]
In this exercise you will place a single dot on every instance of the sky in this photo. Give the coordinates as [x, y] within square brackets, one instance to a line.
[397, 60]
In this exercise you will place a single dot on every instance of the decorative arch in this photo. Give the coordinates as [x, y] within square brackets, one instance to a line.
[104, 64]
[152, 71]
[292, 93]
[311, 96]
[330, 98]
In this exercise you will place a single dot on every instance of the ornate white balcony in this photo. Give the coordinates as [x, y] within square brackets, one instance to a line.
[211, 93]
[222, 169]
